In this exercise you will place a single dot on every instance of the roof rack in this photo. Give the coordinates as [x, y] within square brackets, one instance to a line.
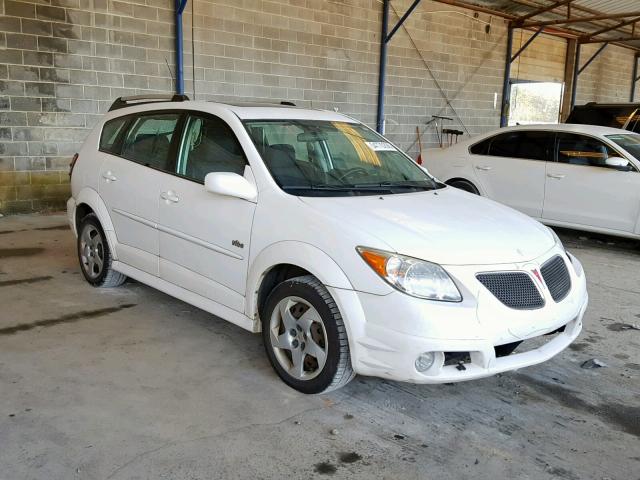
[123, 102]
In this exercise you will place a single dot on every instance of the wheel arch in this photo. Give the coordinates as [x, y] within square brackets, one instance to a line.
[463, 179]
[284, 260]
[89, 201]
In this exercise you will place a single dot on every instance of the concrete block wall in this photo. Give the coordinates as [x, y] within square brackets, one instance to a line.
[62, 62]
[608, 78]
[325, 54]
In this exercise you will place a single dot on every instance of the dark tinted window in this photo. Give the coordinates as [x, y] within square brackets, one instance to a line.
[209, 145]
[582, 150]
[481, 148]
[528, 145]
[111, 134]
[148, 140]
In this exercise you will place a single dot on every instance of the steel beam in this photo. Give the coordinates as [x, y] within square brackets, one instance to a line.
[593, 57]
[566, 21]
[382, 76]
[576, 72]
[506, 92]
[527, 43]
[634, 78]
[543, 10]
[385, 38]
[180, 6]
[610, 40]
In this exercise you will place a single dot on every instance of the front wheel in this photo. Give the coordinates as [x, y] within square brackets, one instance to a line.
[305, 337]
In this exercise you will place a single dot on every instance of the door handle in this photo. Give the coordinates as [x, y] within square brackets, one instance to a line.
[109, 177]
[170, 197]
[484, 168]
[557, 176]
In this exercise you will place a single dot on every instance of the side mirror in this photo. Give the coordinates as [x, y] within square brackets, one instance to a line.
[230, 185]
[618, 163]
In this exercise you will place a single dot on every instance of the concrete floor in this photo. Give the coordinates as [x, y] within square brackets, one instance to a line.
[130, 383]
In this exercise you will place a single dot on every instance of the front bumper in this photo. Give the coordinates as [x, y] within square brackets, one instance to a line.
[387, 333]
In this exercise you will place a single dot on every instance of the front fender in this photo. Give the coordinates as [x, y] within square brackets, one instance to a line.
[301, 254]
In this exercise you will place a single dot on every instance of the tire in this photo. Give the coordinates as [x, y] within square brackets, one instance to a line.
[94, 254]
[464, 185]
[301, 325]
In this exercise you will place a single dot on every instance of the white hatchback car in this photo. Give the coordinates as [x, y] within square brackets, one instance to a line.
[577, 176]
[312, 228]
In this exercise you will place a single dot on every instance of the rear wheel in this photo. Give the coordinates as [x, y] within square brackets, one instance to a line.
[305, 337]
[94, 254]
[464, 185]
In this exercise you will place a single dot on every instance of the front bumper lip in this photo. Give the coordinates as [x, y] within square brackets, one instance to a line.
[398, 363]
[393, 330]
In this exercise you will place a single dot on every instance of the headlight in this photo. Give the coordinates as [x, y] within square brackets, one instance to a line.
[412, 276]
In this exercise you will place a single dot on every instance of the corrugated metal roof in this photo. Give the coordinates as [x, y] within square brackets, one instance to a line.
[579, 8]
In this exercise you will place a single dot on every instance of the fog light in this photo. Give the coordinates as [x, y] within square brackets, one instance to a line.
[425, 361]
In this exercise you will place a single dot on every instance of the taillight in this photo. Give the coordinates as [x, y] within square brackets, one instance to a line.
[73, 164]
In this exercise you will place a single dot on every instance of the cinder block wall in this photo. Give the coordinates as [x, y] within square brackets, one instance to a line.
[325, 54]
[608, 78]
[62, 62]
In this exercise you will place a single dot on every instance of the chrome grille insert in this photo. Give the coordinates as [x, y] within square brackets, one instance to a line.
[557, 278]
[514, 289]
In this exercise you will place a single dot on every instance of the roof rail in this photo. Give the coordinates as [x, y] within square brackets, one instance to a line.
[122, 102]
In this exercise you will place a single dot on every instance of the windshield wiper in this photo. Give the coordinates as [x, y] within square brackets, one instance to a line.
[402, 184]
[338, 188]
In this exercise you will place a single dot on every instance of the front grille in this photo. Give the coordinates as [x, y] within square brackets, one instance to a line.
[514, 289]
[557, 278]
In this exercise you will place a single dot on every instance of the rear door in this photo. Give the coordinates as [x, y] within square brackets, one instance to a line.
[130, 181]
[582, 190]
[511, 168]
[204, 237]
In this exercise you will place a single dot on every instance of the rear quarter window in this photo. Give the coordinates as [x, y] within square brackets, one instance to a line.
[111, 134]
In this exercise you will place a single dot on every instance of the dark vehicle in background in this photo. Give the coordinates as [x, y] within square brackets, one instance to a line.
[615, 115]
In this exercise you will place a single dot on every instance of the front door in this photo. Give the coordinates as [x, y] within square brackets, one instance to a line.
[204, 237]
[512, 170]
[130, 178]
[582, 190]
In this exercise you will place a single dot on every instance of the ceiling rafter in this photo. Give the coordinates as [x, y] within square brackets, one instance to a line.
[567, 21]
[560, 27]
[542, 10]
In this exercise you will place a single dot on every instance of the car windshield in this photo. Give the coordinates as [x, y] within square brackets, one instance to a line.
[322, 158]
[628, 141]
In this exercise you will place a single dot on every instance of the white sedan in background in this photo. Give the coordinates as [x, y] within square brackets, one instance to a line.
[578, 176]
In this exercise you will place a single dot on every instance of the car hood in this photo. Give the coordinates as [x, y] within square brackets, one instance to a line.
[445, 226]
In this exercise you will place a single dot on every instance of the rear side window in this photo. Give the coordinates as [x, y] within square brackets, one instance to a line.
[527, 145]
[148, 140]
[481, 148]
[110, 135]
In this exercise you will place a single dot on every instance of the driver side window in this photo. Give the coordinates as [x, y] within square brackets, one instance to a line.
[582, 150]
[209, 145]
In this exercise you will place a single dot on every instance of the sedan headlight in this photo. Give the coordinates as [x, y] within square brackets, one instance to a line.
[412, 276]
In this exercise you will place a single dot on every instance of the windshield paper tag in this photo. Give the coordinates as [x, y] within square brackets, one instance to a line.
[381, 147]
